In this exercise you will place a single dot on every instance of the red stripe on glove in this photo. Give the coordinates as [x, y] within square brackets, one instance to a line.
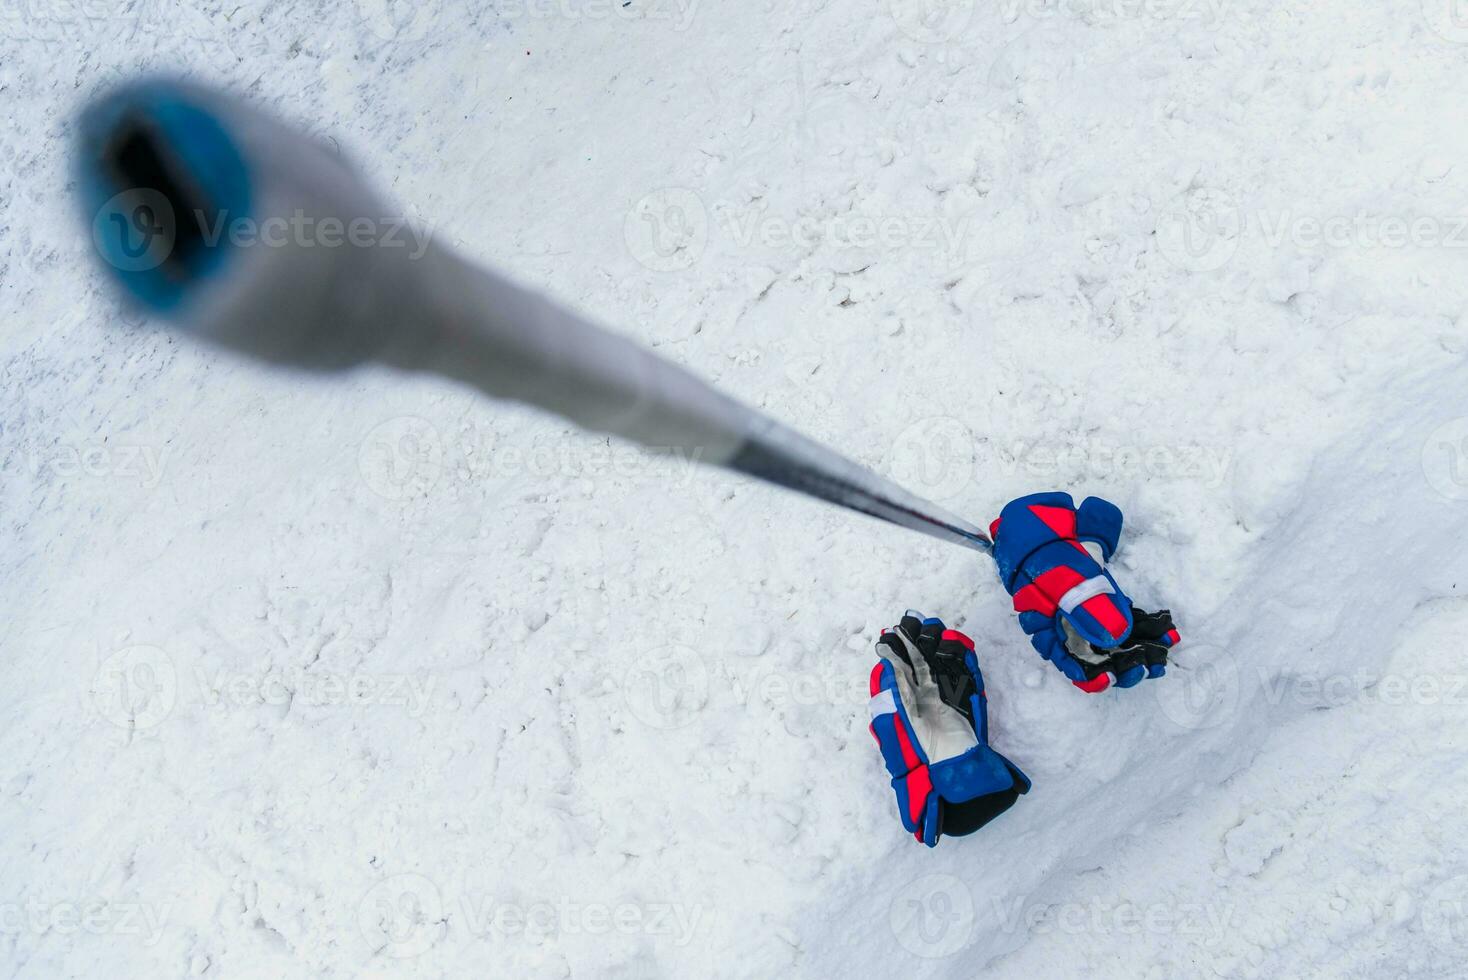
[961, 638]
[1061, 520]
[1107, 614]
[919, 785]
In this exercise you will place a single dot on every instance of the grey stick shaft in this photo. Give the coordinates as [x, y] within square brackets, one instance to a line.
[513, 343]
[166, 165]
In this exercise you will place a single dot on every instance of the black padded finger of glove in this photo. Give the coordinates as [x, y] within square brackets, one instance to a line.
[1125, 658]
[956, 687]
[1095, 660]
[958, 819]
[896, 650]
[1143, 646]
[1150, 627]
[929, 638]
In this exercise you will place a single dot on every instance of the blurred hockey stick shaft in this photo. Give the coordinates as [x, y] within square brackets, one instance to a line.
[166, 166]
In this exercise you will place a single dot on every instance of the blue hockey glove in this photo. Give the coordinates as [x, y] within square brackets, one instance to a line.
[930, 719]
[1052, 559]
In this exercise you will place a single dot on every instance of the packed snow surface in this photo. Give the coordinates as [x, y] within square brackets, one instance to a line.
[368, 676]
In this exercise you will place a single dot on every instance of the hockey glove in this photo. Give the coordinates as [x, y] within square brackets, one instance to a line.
[930, 719]
[1052, 559]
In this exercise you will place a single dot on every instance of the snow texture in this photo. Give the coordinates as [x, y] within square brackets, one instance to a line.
[367, 677]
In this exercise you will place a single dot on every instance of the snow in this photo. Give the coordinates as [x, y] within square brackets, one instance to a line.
[368, 677]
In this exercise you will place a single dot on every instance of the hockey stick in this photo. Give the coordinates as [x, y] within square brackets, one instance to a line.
[167, 166]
